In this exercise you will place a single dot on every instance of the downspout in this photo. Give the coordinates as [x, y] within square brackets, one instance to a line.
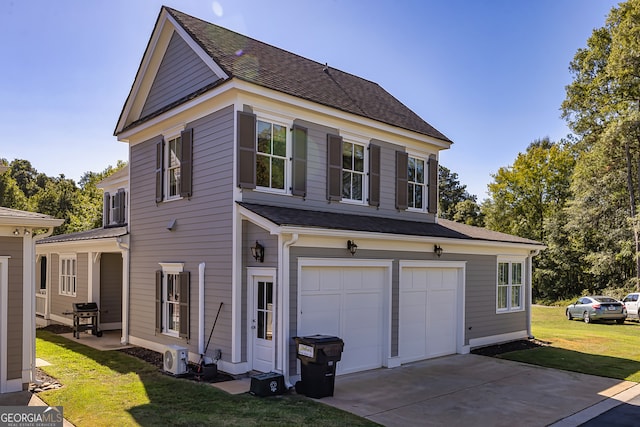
[32, 356]
[124, 248]
[285, 291]
[201, 267]
[532, 253]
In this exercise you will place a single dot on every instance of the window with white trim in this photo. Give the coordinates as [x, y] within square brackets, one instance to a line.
[510, 286]
[172, 300]
[174, 154]
[67, 285]
[416, 183]
[271, 155]
[353, 171]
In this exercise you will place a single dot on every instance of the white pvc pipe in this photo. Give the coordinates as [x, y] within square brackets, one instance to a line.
[201, 308]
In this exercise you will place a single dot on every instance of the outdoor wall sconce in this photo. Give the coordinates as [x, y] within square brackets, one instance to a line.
[26, 232]
[16, 232]
[257, 252]
[437, 249]
[352, 247]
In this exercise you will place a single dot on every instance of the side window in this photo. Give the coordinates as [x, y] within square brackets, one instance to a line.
[416, 183]
[172, 300]
[174, 167]
[510, 285]
[67, 284]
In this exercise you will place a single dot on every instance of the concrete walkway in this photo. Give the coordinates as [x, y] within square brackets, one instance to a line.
[463, 390]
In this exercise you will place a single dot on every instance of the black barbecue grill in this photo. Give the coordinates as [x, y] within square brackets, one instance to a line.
[86, 316]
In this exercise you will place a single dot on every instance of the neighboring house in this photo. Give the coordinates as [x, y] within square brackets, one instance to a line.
[88, 266]
[17, 289]
[304, 199]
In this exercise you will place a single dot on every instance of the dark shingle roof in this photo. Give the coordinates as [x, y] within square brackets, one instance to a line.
[282, 216]
[96, 233]
[256, 62]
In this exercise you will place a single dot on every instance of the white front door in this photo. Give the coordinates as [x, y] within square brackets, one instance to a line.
[261, 323]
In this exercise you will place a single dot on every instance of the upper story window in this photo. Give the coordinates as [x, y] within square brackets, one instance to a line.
[67, 285]
[174, 167]
[416, 183]
[271, 155]
[114, 210]
[173, 159]
[510, 286]
[353, 173]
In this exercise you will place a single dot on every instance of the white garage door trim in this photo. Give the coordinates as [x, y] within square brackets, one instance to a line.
[459, 320]
[385, 295]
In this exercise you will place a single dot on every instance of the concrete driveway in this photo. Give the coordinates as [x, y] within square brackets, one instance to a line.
[463, 390]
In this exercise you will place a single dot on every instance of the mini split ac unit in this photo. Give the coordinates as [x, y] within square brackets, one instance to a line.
[175, 360]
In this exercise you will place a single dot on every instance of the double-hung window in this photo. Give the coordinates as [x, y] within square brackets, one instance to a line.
[416, 183]
[510, 286]
[174, 166]
[353, 175]
[172, 300]
[271, 155]
[67, 275]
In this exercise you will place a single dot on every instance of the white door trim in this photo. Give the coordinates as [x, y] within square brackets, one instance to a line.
[252, 273]
[460, 266]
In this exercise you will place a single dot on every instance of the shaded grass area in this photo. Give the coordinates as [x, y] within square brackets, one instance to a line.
[603, 349]
[107, 388]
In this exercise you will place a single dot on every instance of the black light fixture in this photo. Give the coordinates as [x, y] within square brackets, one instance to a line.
[437, 249]
[257, 252]
[352, 247]
[16, 232]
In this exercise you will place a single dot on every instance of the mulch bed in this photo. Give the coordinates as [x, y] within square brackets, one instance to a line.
[496, 350]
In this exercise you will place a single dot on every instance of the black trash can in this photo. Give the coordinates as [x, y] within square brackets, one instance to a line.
[318, 355]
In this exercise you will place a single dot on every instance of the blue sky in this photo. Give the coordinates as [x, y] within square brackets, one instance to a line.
[488, 74]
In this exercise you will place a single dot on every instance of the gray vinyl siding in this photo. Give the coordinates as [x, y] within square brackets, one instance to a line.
[316, 198]
[181, 73]
[203, 232]
[110, 288]
[12, 246]
[481, 319]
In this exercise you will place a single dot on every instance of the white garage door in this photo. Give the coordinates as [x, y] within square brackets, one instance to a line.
[346, 302]
[428, 312]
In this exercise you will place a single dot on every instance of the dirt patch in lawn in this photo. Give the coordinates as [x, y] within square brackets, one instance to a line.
[498, 349]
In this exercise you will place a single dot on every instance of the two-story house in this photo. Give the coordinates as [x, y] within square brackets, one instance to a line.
[304, 199]
[88, 266]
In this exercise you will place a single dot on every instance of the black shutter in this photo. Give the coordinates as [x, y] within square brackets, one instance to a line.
[374, 175]
[432, 206]
[186, 163]
[402, 178]
[106, 209]
[120, 206]
[246, 150]
[159, 171]
[184, 305]
[299, 163]
[334, 167]
[159, 301]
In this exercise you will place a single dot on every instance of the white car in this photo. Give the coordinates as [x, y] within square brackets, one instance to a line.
[631, 302]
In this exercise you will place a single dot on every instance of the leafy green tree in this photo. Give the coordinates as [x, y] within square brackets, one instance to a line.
[528, 199]
[602, 107]
[456, 203]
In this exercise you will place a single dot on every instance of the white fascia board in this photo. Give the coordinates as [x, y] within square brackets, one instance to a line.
[8, 222]
[259, 220]
[108, 244]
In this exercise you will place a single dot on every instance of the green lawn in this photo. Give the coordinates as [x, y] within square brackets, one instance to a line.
[107, 388]
[604, 349]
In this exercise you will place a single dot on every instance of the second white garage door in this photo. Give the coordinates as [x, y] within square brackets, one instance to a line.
[428, 312]
[346, 302]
